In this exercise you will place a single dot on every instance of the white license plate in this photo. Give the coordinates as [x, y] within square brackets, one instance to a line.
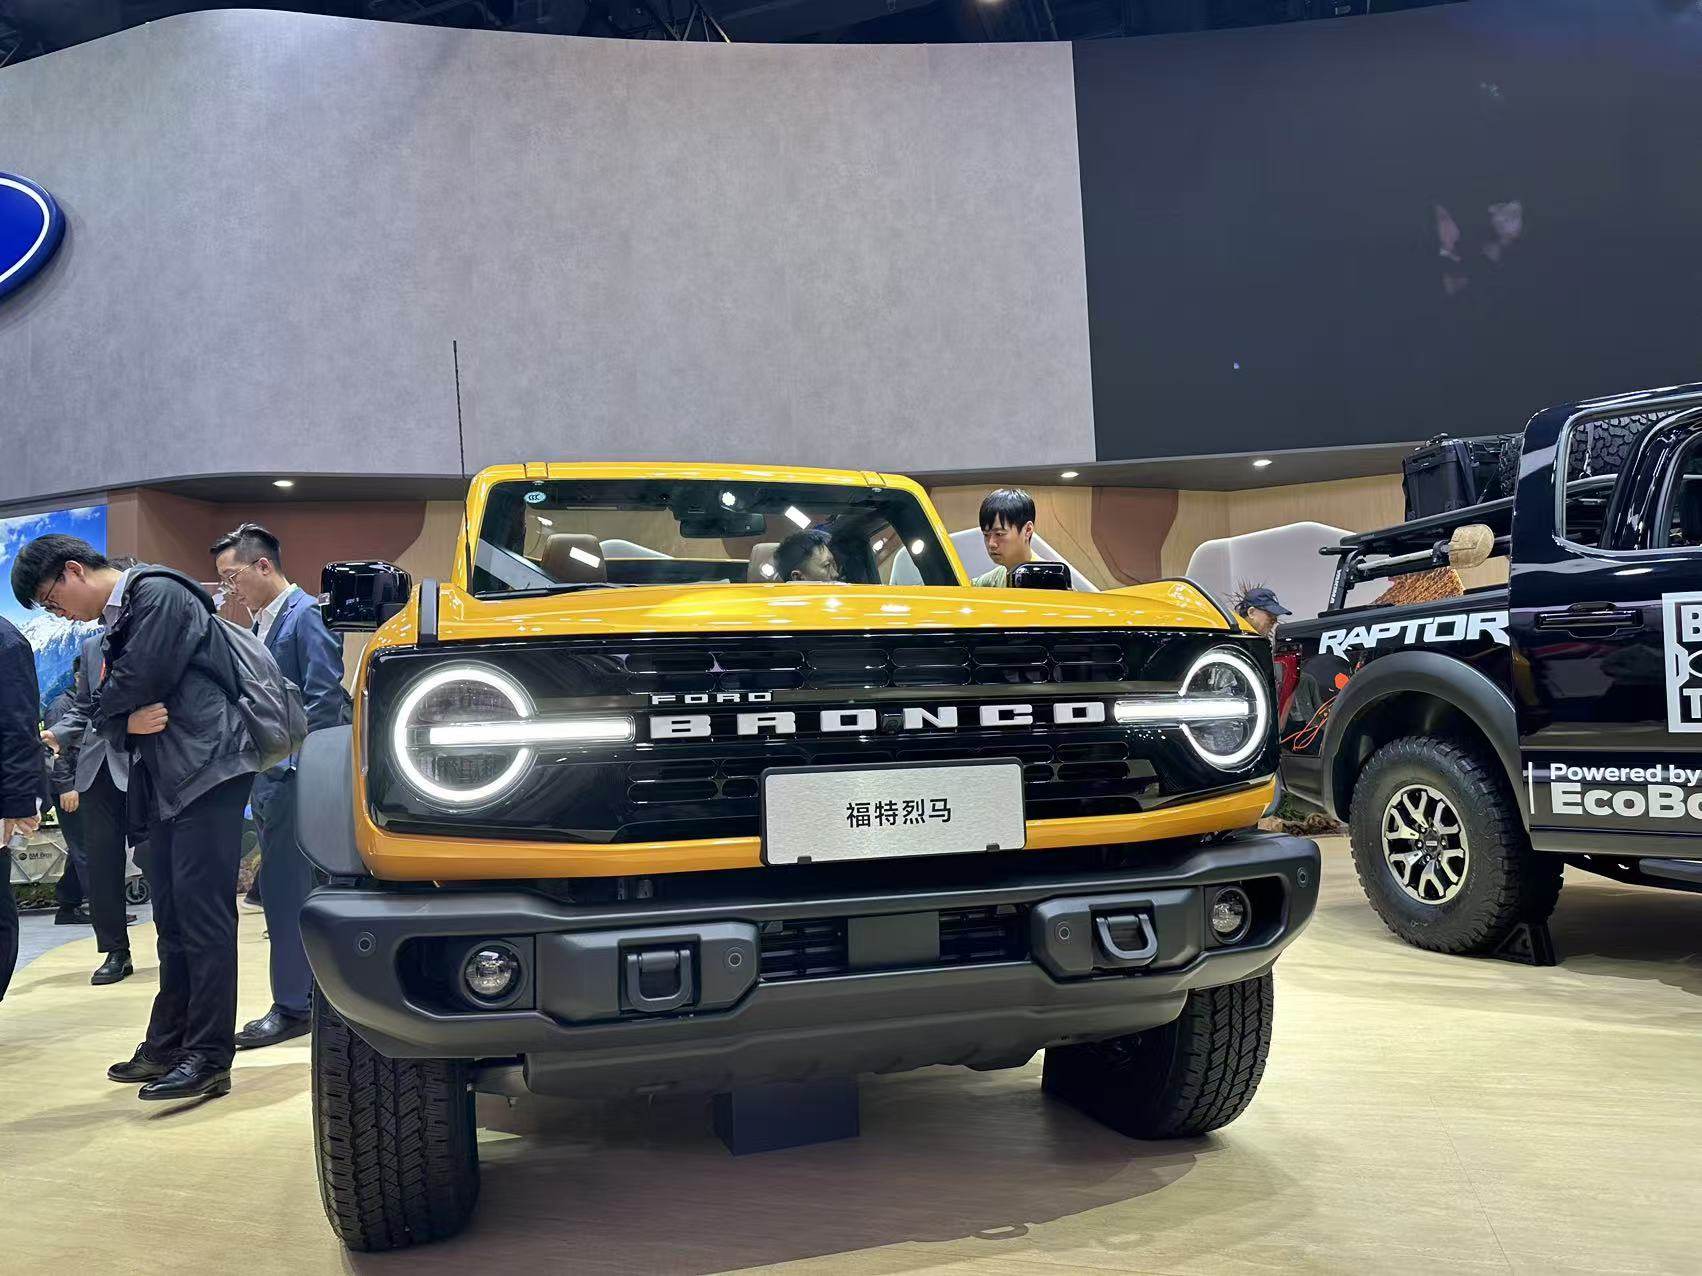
[820, 814]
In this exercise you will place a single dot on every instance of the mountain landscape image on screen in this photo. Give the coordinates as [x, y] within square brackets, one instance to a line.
[54, 639]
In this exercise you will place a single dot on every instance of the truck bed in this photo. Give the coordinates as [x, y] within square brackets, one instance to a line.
[1485, 598]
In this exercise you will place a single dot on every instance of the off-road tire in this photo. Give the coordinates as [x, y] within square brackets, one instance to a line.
[1187, 1078]
[396, 1142]
[1506, 882]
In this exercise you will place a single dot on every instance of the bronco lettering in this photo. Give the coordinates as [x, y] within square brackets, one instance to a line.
[683, 726]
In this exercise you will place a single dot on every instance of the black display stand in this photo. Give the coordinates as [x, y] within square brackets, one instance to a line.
[1529, 944]
[766, 1118]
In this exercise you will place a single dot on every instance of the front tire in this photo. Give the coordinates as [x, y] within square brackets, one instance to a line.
[1441, 851]
[396, 1140]
[1187, 1078]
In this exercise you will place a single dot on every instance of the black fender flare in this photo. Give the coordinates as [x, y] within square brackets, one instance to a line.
[1430, 673]
[325, 802]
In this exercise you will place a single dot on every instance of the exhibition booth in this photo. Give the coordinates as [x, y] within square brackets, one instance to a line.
[865, 654]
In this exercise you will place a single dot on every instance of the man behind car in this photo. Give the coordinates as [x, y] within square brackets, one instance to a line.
[1007, 528]
[1261, 609]
[249, 562]
[191, 766]
[807, 556]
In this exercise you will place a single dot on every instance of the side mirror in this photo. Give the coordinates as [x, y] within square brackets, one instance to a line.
[362, 595]
[1039, 576]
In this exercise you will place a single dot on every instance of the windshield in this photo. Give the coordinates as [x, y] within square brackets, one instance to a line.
[561, 534]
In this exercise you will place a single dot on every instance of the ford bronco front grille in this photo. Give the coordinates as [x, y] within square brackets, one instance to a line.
[707, 783]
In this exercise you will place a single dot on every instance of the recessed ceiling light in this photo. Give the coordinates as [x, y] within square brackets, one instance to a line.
[283, 482]
[1261, 462]
[1070, 474]
[797, 516]
[728, 499]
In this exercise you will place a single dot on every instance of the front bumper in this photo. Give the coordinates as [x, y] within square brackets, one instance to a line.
[884, 988]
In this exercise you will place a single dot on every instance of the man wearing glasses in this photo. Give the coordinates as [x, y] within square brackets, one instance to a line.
[250, 564]
[191, 764]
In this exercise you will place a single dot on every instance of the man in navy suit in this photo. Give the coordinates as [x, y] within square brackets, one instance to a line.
[250, 563]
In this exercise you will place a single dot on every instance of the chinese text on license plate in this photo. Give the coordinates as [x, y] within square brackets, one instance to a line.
[817, 814]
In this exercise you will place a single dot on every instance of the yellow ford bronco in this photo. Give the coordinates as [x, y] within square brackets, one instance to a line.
[705, 777]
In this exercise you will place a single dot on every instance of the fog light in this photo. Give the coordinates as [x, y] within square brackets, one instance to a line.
[491, 972]
[1231, 914]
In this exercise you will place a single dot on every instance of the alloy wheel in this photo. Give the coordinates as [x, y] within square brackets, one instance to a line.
[1424, 844]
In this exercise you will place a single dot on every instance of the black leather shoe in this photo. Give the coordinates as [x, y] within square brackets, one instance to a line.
[141, 1066]
[276, 1025]
[192, 1078]
[116, 966]
[78, 916]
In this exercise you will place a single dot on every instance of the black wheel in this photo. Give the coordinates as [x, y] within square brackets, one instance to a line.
[1440, 849]
[398, 1157]
[1187, 1078]
[137, 891]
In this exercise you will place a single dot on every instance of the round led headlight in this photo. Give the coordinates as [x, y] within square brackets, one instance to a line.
[436, 759]
[1232, 740]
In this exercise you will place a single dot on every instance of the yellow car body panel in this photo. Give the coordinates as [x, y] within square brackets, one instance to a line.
[702, 608]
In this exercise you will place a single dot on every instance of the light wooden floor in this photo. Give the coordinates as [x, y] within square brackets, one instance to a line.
[1420, 1114]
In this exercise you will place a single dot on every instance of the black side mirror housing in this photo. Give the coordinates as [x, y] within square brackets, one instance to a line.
[358, 596]
[1038, 575]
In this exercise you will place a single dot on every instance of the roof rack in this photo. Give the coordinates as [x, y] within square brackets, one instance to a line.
[1422, 544]
[1421, 533]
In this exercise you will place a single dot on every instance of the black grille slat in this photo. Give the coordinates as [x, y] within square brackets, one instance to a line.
[650, 792]
[819, 947]
[802, 950]
[978, 935]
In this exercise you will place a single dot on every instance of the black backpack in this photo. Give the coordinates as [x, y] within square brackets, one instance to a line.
[270, 705]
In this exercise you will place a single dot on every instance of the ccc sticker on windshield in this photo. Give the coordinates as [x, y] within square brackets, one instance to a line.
[1682, 614]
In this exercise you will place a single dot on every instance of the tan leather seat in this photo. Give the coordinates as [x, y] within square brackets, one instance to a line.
[762, 556]
[574, 558]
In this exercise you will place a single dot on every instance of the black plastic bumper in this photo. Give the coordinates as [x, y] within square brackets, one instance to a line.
[1094, 954]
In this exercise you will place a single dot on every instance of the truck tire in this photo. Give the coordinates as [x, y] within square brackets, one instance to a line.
[1187, 1078]
[1440, 849]
[396, 1142]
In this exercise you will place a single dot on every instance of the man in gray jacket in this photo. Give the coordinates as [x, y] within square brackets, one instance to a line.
[91, 778]
[192, 764]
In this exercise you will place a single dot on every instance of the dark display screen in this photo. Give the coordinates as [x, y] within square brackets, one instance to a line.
[1382, 228]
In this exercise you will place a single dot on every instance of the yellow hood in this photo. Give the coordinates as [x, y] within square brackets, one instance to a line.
[761, 608]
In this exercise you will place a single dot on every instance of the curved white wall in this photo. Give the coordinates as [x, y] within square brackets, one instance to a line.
[862, 256]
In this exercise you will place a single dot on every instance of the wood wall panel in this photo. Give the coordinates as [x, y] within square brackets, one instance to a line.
[1130, 525]
[1358, 505]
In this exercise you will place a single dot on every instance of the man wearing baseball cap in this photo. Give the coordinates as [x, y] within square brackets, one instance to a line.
[1262, 610]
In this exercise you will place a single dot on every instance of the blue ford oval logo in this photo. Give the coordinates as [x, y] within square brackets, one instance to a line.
[31, 227]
